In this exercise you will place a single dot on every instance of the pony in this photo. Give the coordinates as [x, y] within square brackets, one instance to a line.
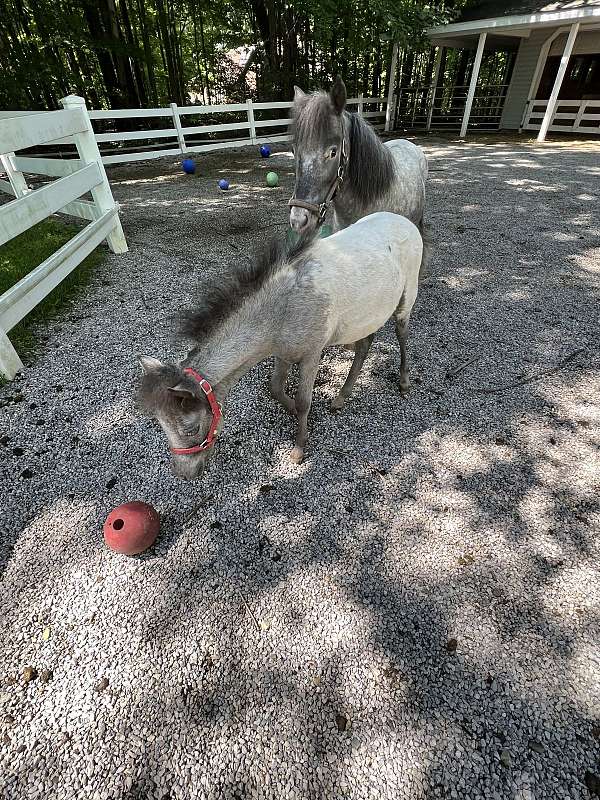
[291, 303]
[341, 162]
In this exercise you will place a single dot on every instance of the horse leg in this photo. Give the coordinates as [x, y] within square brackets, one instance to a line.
[427, 247]
[306, 381]
[402, 318]
[278, 381]
[361, 348]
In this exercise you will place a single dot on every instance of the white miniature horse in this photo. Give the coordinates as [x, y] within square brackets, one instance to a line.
[291, 305]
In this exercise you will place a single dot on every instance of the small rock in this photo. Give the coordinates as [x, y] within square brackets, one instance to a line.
[46, 675]
[465, 560]
[216, 525]
[266, 488]
[497, 591]
[596, 732]
[9, 719]
[341, 720]
[505, 758]
[552, 440]
[18, 451]
[111, 483]
[21, 748]
[27, 473]
[4, 440]
[451, 645]
[501, 440]
[102, 684]
[536, 746]
[29, 674]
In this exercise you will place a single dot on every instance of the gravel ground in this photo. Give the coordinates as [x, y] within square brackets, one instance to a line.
[413, 612]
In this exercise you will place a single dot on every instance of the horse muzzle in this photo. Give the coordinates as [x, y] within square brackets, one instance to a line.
[300, 219]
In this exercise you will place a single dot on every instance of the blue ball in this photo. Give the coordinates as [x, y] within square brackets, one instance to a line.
[189, 166]
[265, 150]
[223, 184]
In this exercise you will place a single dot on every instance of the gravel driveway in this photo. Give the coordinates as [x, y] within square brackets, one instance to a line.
[414, 612]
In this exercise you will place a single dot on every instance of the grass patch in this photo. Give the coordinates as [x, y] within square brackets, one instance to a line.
[22, 255]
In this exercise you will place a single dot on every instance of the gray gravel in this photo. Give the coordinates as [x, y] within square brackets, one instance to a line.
[426, 584]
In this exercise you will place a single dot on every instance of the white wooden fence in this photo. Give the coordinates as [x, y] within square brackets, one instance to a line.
[248, 123]
[570, 116]
[247, 126]
[76, 177]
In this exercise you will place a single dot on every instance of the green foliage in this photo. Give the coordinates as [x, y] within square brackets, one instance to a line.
[25, 252]
[127, 53]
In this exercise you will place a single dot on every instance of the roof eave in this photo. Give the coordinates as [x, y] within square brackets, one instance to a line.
[516, 25]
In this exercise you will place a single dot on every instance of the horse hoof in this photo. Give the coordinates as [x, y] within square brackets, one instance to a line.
[337, 403]
[297, 455]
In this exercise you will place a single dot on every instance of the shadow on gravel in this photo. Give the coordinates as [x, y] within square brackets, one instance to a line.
[414, 602]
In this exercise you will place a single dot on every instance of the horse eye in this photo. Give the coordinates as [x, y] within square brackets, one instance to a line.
[333, 152]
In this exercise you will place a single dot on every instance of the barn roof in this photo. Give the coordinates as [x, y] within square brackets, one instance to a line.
[488, 9]
[506, 19]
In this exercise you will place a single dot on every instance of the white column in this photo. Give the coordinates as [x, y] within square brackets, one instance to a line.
[551, 107]
[251, 121]
[391, 87]
[178, 128]
[473, 84]
[87, 147]
[436, 75]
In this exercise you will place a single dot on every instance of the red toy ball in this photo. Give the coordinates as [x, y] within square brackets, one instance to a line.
[131, 528]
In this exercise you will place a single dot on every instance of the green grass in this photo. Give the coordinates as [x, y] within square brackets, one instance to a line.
[22, 255]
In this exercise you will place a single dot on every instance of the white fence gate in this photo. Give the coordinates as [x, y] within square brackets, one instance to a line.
[76, 177]
[570, 116]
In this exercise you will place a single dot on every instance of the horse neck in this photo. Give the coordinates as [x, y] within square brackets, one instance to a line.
[235, 346]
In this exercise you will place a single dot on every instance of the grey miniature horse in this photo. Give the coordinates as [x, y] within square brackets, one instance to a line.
[292, 304]
[341, 161]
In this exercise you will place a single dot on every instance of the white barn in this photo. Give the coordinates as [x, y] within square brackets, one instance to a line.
[554, 83]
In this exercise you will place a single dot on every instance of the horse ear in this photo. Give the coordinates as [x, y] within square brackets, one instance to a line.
[181, 390]
[150, 364]
[298, 94]
[338, 95]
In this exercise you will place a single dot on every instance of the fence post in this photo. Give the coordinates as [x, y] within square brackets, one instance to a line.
[359, 110]
[178, 128]
[10, 363]
[15, 176]
[87, 147]
[251, 121]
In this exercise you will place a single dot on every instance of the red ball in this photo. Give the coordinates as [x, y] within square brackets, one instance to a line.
[131, 528]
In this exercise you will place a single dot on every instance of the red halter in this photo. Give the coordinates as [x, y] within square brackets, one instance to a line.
[216, 416]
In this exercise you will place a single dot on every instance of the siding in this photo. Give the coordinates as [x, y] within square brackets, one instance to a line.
[586, 42]
[524, 68]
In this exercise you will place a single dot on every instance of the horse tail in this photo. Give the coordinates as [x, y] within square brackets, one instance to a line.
[425, 232]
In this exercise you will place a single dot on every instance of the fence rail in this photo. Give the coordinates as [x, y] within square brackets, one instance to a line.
[75, 178]
[570, 116]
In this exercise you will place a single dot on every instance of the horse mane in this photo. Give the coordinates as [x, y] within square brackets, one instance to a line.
[370, 170]
[219, 298]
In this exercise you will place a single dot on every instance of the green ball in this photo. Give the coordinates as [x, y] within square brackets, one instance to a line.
[272, 179]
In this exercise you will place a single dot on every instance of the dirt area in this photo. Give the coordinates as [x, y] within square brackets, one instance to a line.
[414, 612]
